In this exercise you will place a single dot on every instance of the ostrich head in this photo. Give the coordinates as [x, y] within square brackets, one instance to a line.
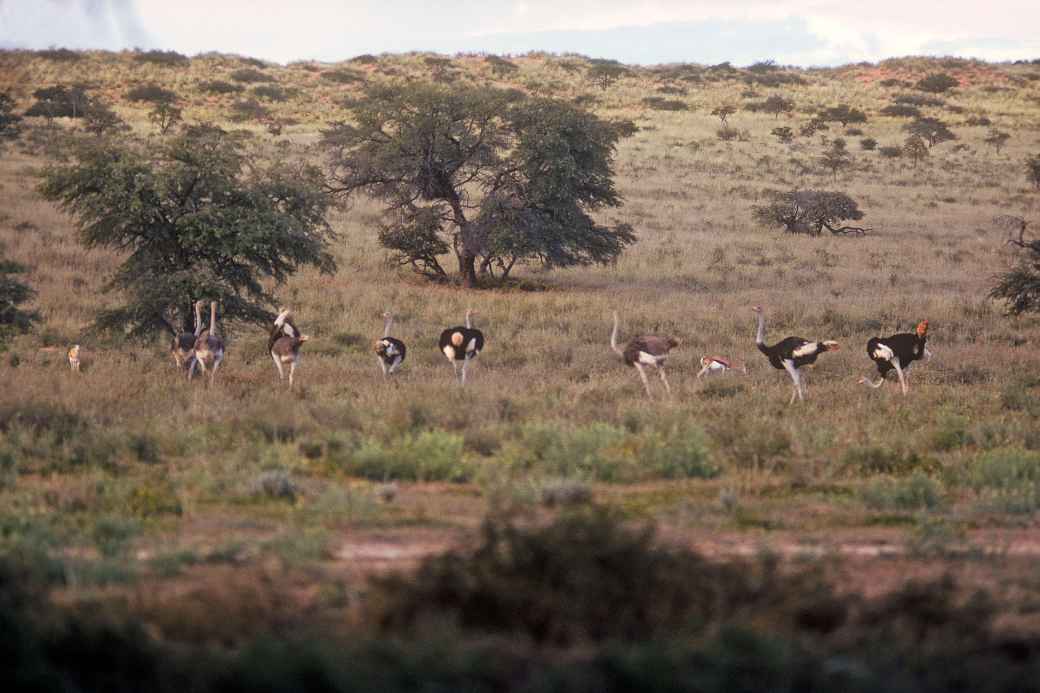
[922, 328]
[830, 345]
[705, 360]
[283, 314]
[757, 310]
[387, 315]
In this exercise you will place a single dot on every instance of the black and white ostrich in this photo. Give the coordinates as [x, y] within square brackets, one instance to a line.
[642, 351]
[896, 353]
[791, 353]
[390, 351]
[462, 344]
[284, 344]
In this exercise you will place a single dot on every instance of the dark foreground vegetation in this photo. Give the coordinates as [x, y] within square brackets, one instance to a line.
[580, 604]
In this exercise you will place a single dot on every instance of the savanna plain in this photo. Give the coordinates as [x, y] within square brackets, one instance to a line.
[415, 534]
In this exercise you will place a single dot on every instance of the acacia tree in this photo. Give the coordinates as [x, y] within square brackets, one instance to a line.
[724, 112]
[1033, 170]
[997, 139]
[843, 114]
[915, 148]
[933, 130]
[10, 122]
[836, 157]
[13, 293]
[810, 212]
[1019, 288]
[486, 174]
[197, 219]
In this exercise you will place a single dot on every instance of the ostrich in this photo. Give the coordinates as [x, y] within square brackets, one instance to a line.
[390, 352]
[284, 344]
[209, 348]
[74, 360]
[791, 353]
[462, 344]
[897, 352]
[183, 345]
[646, 350]
[719, 364]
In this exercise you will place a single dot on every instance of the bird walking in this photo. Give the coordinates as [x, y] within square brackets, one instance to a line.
[390, 352]
[719, 364]
[182, 346]
[896, 352]
[462, 345]
[284, 344]
[209, 348]
[646, 350]
[791, 353]
[74, 358]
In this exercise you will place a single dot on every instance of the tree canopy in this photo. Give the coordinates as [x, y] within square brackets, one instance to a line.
[198, 219]
[1019, 288]
[13, 293]
[488, 175]
[810, 212]
[933, 130]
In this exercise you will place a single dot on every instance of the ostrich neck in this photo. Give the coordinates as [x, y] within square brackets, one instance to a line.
[613, 337]
[469, 325]
[760, 337]
[213, 319]
[386, 329]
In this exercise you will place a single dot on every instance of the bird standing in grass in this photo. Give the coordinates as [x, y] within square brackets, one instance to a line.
[462, 345]
[719, 364]
[209, 348]
[390, 351]
[284, 344]
[791, 353]
[646, 350]
[182, 346]
[74, 359]
[896, 353]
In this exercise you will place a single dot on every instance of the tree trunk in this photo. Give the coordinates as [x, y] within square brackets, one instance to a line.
[468, 269]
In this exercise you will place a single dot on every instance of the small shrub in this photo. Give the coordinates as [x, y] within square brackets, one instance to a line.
[343, 76]
[564, 493]
[937, 83]
[145, 448]
[248, 109]
[1008, 480]
[727, 134]
[163, 58]
[901, 110]
[853, 132]
[270, 92]
[60, 55]
[251, 75]
[217, 86]
[275, 484]
[151, 93]
[890, 152]
[868, 144]
[919, 492]
[112, 535]
[426, 456]
[952, 433]
[154, 499]
[659, 103]
[365, 59]
[877, 460]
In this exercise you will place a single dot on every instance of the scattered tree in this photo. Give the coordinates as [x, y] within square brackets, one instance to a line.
[99, 119]
[723, 112]
[59, 102]
[197, 219]
[1033, 170]
[836, 157]
[1019, 288]
[891, 151]
[500, 67]
[901, 110]
[915, 148]
[10, 122]
[13, 293]
[251, 75]
[217, 86]
[604, 73]
[812, 127]
[932, 130]
[778, 105]
[810, 212]
[164, 116]
[163, 58]
[843, 114]
[784, 134]
[937, 83]
[997, 139]
[487, 174]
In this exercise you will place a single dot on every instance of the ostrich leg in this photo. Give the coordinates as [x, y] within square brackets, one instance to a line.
[642, 374]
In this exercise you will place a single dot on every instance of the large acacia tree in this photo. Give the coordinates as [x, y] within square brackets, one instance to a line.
[198, 219]
[492, 176]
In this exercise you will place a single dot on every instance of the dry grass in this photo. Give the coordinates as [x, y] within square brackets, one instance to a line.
[699, 266]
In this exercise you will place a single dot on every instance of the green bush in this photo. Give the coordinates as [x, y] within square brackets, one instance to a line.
[163, 58]
[603, 452]
[154, 499]
[919, 492]
[1008, 480]
[217, 86]
[424, 456]
[251, 75]
[151, 93]
[877, 460]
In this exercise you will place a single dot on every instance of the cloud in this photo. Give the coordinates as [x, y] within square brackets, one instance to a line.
[110, 24]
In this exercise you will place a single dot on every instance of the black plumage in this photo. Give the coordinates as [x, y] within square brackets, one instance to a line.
[461, 345]
[896, 352]
[791, 353]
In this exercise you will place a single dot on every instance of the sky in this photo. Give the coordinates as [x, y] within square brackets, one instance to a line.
[791, 32]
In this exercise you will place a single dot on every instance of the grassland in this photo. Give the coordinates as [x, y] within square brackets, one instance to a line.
[216, 513]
